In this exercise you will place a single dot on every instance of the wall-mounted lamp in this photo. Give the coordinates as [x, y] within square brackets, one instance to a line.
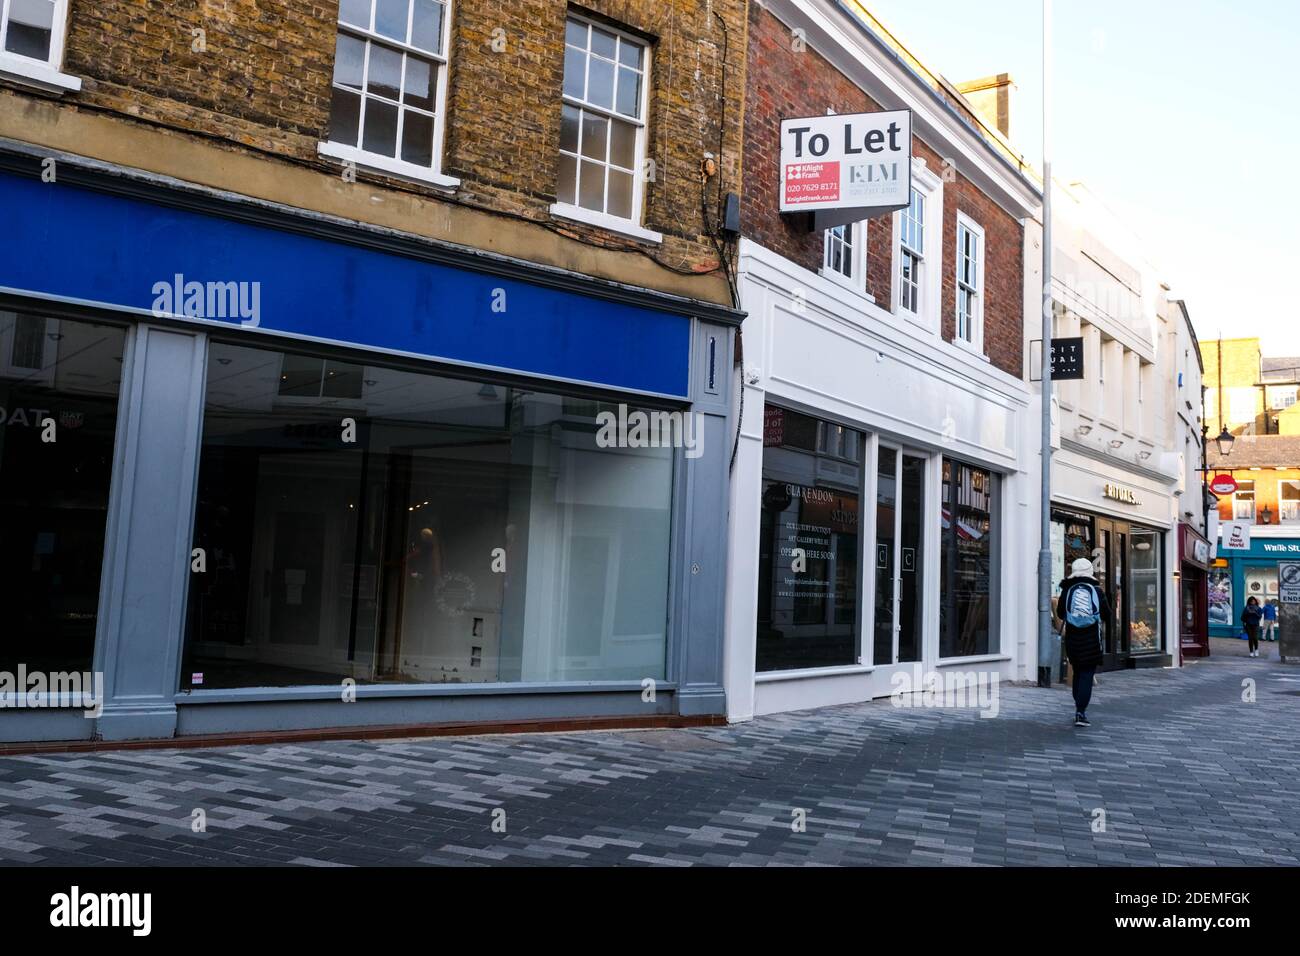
[1116, 443]
[1084, 429]
[1144, 455]
[1265, 515]
[1225, 441]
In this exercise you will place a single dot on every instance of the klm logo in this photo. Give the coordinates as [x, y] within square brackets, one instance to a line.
[868, 173]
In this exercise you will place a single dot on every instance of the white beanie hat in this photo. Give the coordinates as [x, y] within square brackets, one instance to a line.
[1081, 568]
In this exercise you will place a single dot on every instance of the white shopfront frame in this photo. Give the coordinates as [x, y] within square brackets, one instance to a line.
[818, 348]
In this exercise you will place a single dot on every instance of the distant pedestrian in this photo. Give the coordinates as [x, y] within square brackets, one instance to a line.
[1250, 618]
[1082, 606]
[1268, 626]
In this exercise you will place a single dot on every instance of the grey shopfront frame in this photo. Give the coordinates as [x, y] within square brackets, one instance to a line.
[150, 523]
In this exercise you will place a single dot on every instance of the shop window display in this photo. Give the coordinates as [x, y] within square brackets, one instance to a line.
[470, 532]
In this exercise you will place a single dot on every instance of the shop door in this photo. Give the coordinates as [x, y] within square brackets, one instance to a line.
[900, 533]
[1111, 562]
[1192, 619]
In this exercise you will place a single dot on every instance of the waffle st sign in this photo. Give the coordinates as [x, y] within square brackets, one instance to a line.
[846, 168]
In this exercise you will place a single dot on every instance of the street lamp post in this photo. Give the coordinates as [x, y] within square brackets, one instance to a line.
[1046, 633]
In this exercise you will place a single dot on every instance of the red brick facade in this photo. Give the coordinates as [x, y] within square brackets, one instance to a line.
[786, 82]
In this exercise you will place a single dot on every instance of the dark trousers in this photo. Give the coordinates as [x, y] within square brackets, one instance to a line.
[1083, 688]
[1252, 632]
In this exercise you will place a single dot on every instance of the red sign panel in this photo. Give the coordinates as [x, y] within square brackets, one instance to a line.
[812, 182]
[1223, 484]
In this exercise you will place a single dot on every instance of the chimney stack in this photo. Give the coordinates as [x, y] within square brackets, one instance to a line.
[990, 98]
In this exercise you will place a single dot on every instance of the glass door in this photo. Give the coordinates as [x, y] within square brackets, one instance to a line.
[900, 533]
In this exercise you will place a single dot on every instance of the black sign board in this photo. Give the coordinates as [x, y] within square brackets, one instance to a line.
[1067, 359]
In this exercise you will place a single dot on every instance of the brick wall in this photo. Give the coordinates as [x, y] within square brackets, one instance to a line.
[263, 84]
[785, 82]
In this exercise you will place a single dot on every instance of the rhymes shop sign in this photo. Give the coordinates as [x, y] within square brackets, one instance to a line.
[846, 168]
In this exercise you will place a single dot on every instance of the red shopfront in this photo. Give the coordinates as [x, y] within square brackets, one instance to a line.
[1194, 565]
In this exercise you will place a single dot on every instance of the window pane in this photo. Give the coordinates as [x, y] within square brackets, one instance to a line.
[1144, 587]
[418, 89]
[385, 76]
[629, 93]
[31, 25]
[966, 561]
[417, 138]
[341, 380]
[355, 12]
[622, 150]
[595, 136]
[567, 184]
[300, 375]
[592, 187]
[426, 26]
[603, 42]
[54, 495]
[575, 33]
[569, 119]
[380, 134]
[620, 194]
[345, 111]
[349, 61]
[629, 54]
[575, 73]
[807, 607]
[373, 561]
[390, 18]
[600, 83]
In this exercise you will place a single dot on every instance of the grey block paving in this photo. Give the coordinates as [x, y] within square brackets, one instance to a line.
[1186, 772]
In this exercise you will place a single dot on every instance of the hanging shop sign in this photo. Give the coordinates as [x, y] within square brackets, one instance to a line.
[1236, 536]
[1121, 494]
[846, 168]
[1223, 485]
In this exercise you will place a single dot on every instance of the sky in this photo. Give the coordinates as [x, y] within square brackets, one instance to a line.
[1181, 116]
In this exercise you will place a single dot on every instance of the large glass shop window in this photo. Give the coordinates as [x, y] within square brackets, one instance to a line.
[466, 533]
[1144, 590]
[966, 617]
[59, 384]
[808, 553]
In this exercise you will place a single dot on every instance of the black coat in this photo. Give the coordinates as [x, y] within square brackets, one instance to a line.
[1250, 615]
[1083, 644]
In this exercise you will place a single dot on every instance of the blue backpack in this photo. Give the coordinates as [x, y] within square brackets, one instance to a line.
[1082, 608]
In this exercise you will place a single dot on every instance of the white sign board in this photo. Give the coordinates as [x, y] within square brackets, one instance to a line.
[1236, 536]
[1288, 580]
[858, 161]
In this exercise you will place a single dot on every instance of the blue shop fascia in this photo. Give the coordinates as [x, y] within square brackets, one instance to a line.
[267, 470]
[1235, 576]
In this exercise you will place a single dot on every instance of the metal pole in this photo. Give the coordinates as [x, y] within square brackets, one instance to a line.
[1048, 659]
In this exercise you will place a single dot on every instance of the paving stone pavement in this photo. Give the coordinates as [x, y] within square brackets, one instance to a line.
[1186, 772]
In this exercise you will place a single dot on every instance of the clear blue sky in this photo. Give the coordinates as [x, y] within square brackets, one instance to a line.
[1180, 115]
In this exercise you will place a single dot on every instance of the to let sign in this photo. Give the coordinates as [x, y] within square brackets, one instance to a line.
[846, 168]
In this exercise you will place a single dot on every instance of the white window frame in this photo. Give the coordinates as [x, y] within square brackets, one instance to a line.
[927, 315]
[631, 226]
[976, 341]
[1281, 514]
[44, 74]
[857, 281]
[392, 164]
[1236, 500]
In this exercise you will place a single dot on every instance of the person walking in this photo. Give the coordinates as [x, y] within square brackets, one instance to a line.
[1250, 618]
[1082, 606]
[1268, 626]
